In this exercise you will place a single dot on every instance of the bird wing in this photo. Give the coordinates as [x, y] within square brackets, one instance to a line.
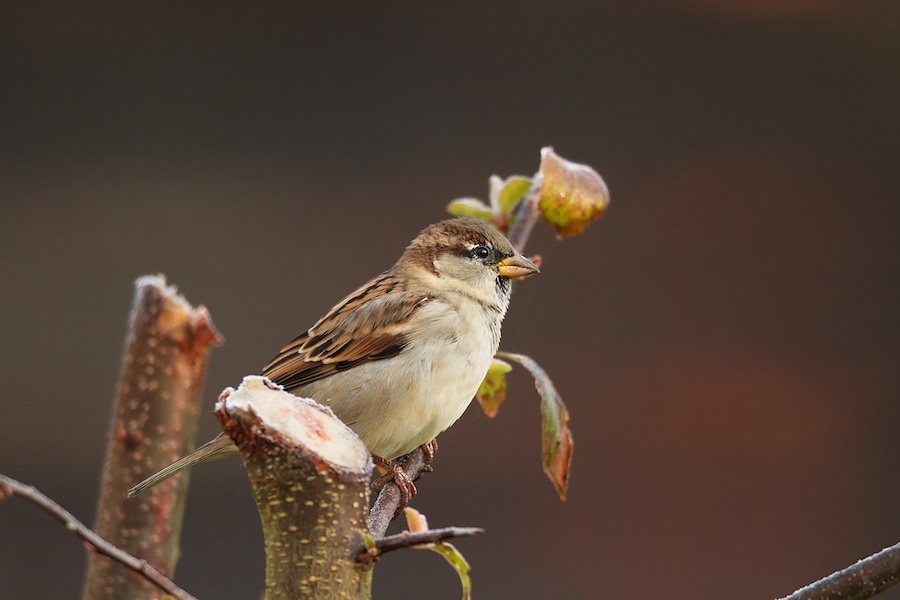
[370, 324]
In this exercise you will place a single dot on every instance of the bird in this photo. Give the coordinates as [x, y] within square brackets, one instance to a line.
[400, 359]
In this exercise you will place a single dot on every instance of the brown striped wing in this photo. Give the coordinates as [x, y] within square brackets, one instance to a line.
[370, 324]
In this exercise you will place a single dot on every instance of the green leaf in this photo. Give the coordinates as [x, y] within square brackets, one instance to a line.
[572, 195]
[368, 540]
[417, 522]
[458, 562]
[556, 439]
[470, 207]
[506, 193]
[492, 390]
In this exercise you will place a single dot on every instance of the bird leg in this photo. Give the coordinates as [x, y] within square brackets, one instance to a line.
[395, 473]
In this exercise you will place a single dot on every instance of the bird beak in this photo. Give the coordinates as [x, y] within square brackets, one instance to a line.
[516, 266]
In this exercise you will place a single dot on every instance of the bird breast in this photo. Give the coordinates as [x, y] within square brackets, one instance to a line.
[400, 403]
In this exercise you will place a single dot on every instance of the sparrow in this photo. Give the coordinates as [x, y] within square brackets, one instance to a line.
[400, 359]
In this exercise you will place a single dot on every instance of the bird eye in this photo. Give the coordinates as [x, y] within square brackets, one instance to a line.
[481, 251]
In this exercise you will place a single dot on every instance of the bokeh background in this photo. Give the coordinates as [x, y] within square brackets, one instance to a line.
[727, 337]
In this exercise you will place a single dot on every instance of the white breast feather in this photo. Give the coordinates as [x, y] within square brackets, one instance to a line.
[398, 404]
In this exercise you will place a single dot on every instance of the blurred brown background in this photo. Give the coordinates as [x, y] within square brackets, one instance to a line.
[726, 337]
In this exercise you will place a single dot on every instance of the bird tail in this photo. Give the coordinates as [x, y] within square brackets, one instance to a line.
[220, 447]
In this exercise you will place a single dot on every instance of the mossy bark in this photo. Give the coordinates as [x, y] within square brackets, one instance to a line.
[154, 422]
[310, 477]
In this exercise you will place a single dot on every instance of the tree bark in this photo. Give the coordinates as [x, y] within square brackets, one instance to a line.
[154, 422]
[310, 477]
[864, 579]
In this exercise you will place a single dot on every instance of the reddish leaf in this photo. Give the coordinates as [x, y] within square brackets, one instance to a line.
[556, 441]
[571, 195]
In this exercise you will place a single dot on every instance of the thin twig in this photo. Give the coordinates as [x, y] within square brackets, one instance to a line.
[864, 579]
[9, 486]
[407, 539]
[527, 214]
[388, 500]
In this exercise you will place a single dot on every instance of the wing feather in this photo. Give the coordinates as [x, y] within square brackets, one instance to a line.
[372, 323]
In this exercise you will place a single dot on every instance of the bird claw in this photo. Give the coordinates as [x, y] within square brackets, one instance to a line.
[395, 473]
[428, 451]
